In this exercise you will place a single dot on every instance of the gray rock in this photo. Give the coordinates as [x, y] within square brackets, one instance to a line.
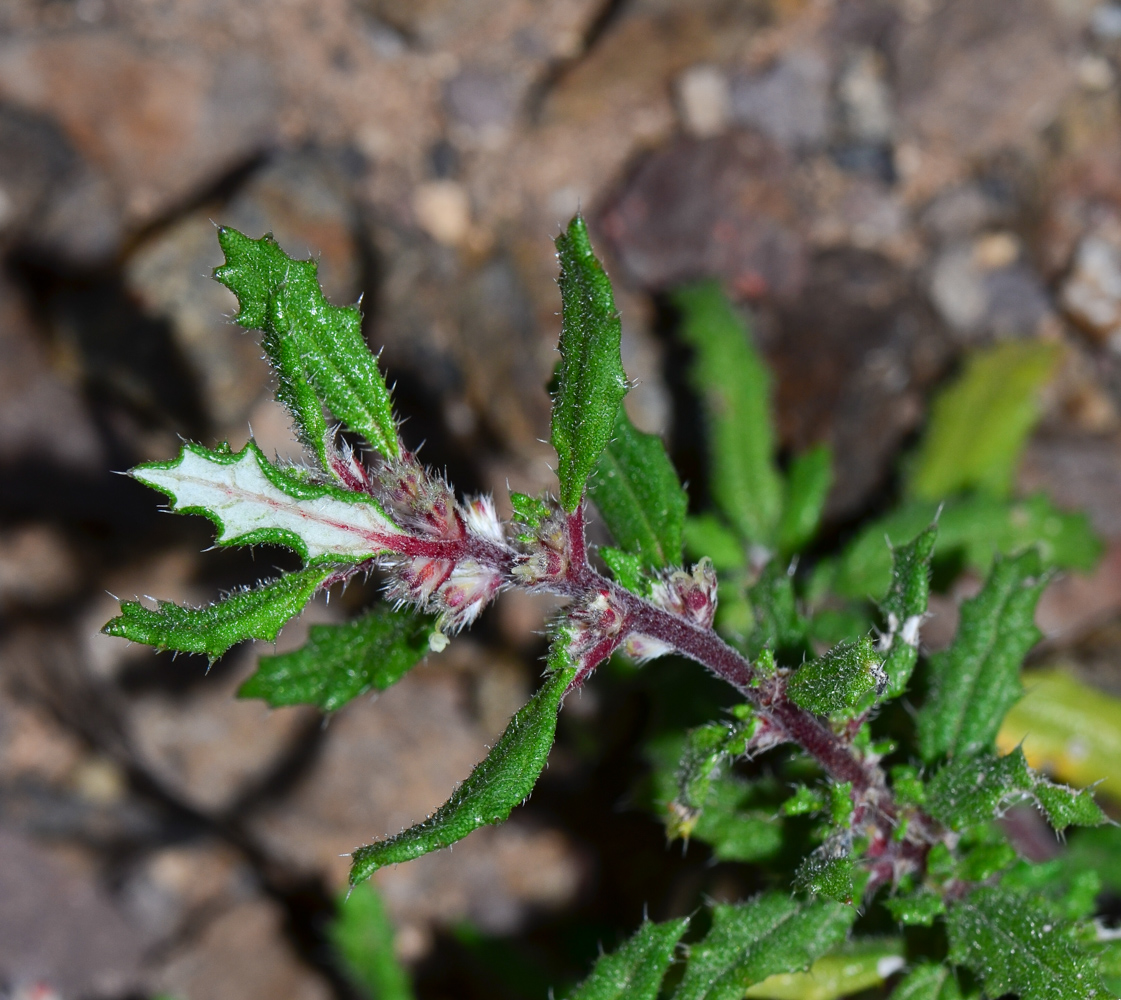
[789, 102]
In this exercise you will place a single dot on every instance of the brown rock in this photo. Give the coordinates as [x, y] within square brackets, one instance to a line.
[36, 566]
[711, 207]
[241, 955]
[159, 120]
[1078, 472]
[209, 746]
[41, 414]
[58, 926]
[389, 762]
[974, 78]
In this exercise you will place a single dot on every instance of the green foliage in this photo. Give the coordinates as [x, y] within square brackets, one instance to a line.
[972, 789]
[903, 607]
[591, 382]
[1068, 729]
[626, 568]
[733, 383]
[980, 422]
[976, 680]
[706, 535]
[636, 490]
[821, 874]
[853, 968]
[634, 971]
[1014, 945]
[505, 777]
[748, 942]
[917, 908]
[807, 487]
[839, 680]
[340, 662]
[363, 938]
[257, 613]
[779, 626]
[315, 348]
[929, 982]
[975, 528]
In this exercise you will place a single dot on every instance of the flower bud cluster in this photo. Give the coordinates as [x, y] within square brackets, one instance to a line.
[549, 554]
[595, 627]
[456, 579]
[689, 595]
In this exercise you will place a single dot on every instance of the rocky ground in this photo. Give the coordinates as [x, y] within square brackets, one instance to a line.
[885, 184]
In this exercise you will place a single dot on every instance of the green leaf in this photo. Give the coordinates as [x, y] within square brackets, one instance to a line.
[634, 971]
[257, 613]
[1068, 807]
[916, 909]
[977, 528]
[972, 789]
[928, 982]
[1067, 728]
[976, 680]
[706, 535]
[706, 749]
[903, 609]
[637, 492]
[979, 424]
[504, 778]
[853, 968]
[837, 681]
[1015, 946]
[528, 510]
[822, 875]
[734, 386]
[591, 382]
[807, 487]
[778, 624]
[363, 937]
[749, 942]
[626, 568]
[316, 349]
[340, 662]
[253, 502]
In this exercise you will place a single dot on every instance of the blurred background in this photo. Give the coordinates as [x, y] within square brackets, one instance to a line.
[884, 185]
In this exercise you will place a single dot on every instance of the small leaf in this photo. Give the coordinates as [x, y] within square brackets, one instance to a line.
[807, 487]
[853, 968]
[979, 424]
[837, 681]
[1067, 807]
[707, 749]
[976, 680]
[928, 982]
[591, 382]
[259, 613]
[916, 909]
[823, 875]
[528, 510]
[503, 779]
[626, 568]
[749, 942]
[734, 386]
[1015, 946]
[252, 502]
[363, 937]
[340, 662]
[973, 789]
[316, 348]
[903, 609]
[637, 492]
[976, 528]
[1068, 729]
[778, 624]
[634, 971]
[706, 535]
